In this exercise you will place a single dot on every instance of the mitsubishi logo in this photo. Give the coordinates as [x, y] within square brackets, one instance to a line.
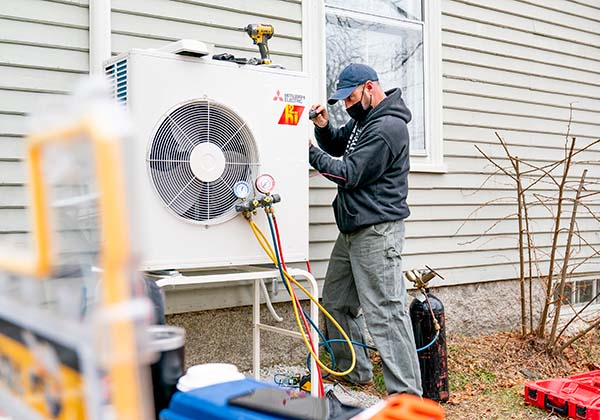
[278, 96]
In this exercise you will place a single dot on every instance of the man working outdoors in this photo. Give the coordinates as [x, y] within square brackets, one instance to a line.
[365, 268]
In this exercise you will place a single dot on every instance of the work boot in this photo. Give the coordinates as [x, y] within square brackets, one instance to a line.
[344, 380]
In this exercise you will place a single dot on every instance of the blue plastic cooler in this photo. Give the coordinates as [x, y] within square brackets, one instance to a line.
[210, 403]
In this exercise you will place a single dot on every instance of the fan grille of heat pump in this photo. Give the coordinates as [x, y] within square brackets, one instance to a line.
[185, 136]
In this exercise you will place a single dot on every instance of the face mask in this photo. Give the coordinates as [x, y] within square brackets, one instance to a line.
[357, 112]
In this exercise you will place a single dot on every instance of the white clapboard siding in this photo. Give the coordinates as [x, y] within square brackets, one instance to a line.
[451, 255]
[42, 58]
[482, 72]
[149, 24]
[124, 42]
[472, 42]
[508, 14]
[528, 70]
[495, 266]
[465, 148]
[60, 13]
[24, 102]
[521, 66]
[320, 214]
[502, 204]
[465, 230]
[543, 13]
[466, 101]
[13, 219]
[518, 123]
[71, 242]
[13, 124]
[592, 4]
[575, 9]
[35, 33]
[451, 180]
[520, 95]
[494, 31]
[502, 244]
[43, 52]
[512, 137]
[13, 195]
[11, 147]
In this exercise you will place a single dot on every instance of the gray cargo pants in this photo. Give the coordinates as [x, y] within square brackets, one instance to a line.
[365, 271]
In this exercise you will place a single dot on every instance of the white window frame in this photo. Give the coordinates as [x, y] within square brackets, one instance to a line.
[314, 63]
[569, 310]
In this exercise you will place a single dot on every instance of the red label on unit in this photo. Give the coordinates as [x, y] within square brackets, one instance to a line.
[291, 114]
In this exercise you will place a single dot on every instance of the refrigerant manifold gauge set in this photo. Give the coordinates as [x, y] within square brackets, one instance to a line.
[264, 185]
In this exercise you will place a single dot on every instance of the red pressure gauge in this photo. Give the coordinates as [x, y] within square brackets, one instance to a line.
[265, 183]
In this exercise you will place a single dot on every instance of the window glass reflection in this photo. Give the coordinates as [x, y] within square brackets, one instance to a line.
[404, 9]
[395, 51]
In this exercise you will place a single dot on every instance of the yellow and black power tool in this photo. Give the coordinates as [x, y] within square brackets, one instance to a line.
[260, 34]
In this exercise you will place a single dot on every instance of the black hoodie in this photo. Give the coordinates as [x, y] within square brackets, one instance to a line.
[372, 175]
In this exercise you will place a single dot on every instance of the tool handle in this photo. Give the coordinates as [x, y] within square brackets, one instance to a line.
[264, 51]
[403, 407]
[562, 410]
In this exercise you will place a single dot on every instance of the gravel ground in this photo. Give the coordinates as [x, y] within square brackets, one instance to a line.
[225, 336]
[345, 395]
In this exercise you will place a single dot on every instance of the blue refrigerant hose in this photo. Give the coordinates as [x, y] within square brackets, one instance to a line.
[308, 318]
[325, 342]
[366, 346]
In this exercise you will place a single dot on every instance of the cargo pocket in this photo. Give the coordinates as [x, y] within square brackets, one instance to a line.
[393, 281]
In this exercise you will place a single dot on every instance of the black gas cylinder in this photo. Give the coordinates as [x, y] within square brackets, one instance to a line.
[433, 360]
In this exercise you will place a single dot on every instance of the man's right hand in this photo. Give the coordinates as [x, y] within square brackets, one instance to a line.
[322, 118]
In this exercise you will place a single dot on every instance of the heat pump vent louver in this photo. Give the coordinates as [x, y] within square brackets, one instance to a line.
[117, 77]
[199, 151]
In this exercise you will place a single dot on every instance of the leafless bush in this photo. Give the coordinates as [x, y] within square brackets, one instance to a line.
[569, 197]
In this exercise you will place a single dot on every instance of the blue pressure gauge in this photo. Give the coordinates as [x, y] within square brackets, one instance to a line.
[242, 189]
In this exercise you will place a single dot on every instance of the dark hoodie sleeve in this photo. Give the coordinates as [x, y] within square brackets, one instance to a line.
[334, 140]
[368, 161]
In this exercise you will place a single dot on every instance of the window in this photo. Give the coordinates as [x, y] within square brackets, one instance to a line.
[580, 292]
[401, 40]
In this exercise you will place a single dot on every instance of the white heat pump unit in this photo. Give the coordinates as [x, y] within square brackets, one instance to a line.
[201, 126]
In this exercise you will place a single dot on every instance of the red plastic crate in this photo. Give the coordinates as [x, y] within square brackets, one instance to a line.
[589, 378]
[577, 396]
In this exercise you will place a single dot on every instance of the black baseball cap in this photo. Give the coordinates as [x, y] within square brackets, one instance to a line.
[352, 76]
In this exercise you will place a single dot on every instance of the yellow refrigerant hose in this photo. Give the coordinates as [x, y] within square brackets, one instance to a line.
[266, 246]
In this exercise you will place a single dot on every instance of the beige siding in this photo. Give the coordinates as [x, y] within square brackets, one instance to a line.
[514, 67]
[150, 24]
[43, 51]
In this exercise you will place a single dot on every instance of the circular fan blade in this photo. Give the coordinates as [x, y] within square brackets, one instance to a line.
[179, 136]
[199, 150]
